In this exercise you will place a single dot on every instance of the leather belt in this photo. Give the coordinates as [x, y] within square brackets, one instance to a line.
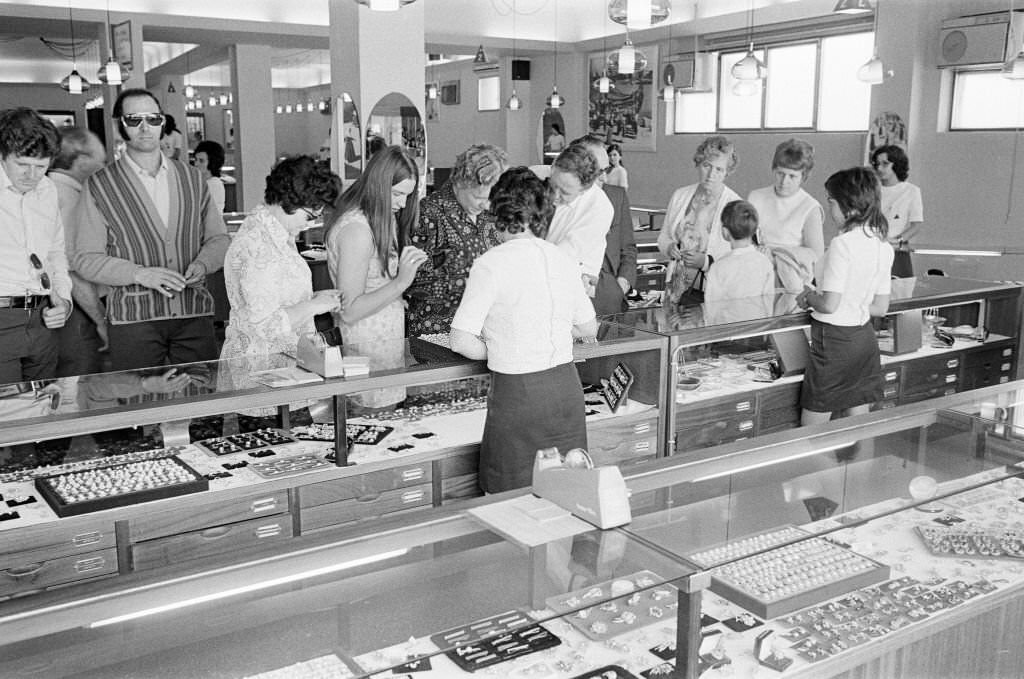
[26, 302]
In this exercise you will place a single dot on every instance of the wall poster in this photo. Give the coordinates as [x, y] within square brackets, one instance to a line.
[627, 115]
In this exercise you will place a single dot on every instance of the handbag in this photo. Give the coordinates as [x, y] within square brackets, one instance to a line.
[692, 294]
[902, 266]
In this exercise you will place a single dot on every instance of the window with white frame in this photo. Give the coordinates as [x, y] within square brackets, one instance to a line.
[985, 100]
[811, 85]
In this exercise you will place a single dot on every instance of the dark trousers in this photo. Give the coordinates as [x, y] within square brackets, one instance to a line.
[28, 349]
[79, 346]
[150, 344]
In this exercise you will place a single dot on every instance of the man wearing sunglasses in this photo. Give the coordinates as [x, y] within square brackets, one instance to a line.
[35, 289]
[148, 230]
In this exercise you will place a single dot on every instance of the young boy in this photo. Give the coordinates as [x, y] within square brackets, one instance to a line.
[744, 271]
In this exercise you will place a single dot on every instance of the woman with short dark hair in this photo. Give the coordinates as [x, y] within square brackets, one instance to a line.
[209, 159]
[844, 373]
[522, 306]
[901, 204]
[269, 285]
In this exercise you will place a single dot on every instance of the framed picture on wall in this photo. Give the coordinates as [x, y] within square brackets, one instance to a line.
[450, 93]
[60, 119]
[195, 128]
[122, 44]
[627, 114]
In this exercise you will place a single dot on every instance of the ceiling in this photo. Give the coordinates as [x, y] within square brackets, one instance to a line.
[297, 31]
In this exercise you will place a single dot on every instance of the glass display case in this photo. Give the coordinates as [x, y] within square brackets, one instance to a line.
[738, 364]
[115, 473]
[889, 540]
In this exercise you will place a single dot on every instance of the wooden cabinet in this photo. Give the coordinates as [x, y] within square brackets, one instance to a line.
[232, 537]
[715, 422]
[986, 366]
[623, 441]
[364, 496]
[56, 555]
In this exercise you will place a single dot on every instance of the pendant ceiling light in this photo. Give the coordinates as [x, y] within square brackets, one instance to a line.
[750, 67]
[639, 13]
[555, 100]
[873, 71]
[110, 72]
[432, 91]
[385, 5]
[604, 84]
[668, 92]
[1013, 69]
[73, 83]
[481, 56]
[513, 103]
[627, 60]
[853, 6]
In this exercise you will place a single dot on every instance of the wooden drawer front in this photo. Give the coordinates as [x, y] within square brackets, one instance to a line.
[29, 576]
[173, 523]
[1002, 353]
[928, 374]
[365, 485]
[778, 408]
[892, 375]
[51, 541]
[368, 506]
[618, 441]
[460, 487]
[209, 541]
[996, 365]
[715, 432]
[935, 392]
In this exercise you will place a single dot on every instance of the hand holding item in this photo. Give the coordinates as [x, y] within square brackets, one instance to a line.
[324, 301]
[802, 299]
[589, 285]
[693, 259]
[164, 281]
[56, 314]
[195, 273]
[409, 263]
[167, 383]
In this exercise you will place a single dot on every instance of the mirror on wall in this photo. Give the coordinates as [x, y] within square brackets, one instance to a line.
[350, 142]
[551, 137]
[395, 120]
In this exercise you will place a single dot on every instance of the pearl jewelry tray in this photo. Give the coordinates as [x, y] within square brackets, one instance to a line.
[119, 485]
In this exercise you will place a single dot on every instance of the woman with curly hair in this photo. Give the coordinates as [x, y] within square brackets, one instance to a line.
[844, 373]
[522, 306]
[269, 284]
[790, 217]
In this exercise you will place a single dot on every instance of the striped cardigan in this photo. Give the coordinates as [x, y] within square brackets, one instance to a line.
[120, 231]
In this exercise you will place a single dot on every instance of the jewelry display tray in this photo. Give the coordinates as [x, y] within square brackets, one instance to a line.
[874, 573]
[237, 443]
[649, 592]
[969, 534]
[62, 507]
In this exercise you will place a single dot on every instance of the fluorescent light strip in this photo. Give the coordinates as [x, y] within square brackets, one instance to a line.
[771, 462]
[266, 584]
[958, 253]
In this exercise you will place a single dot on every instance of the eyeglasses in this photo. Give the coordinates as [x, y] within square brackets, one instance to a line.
[313, 215]
[37, 264]
[136, 119]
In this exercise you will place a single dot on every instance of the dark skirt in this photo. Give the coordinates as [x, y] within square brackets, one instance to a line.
[844, 370]
[525, 413]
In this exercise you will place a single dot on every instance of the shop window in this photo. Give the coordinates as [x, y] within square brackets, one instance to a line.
[985, 100]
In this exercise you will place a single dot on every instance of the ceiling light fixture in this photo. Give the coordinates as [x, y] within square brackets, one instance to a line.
[1013, 69]
[513, 103]
[555, 100]
[627, 60]
[110, 72]
[171, 89]
[668, 92]
[749, 67]
[604, 84]
[73, 83]
[481, 56]
[852, 7]
[639, 13]
[873, 71]
[385, 5]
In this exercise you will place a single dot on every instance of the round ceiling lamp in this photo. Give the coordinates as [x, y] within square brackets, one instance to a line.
[385, 5]
[74, 83]
[626, 60]
[555, 100]
[639, 13]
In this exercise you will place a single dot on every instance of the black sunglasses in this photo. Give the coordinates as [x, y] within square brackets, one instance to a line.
[37, 264]
[136, 119]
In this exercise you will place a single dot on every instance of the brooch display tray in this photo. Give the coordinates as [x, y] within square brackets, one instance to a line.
[649, 600]
[972, 542]
[288, 466]
[48, 487]
[814, 571]
[494, 640]
[237, 443]
[365, 434]
[607, 672]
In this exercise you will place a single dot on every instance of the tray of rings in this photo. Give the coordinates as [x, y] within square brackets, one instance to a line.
[494, 640]
[973, 541]
[366, 434]
[91, 490]
[795, 576]
[237, 443]
[617, 606]
[745, 546]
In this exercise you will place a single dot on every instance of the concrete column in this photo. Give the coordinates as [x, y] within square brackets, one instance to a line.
[254, 121]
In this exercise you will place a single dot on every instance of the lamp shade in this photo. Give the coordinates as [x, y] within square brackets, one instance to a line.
[432, 91]
[110, 72]
[746, 88]
[604, 84]
[668, 93]
[514, 103]
[555, 100]
[74, 83]
[639, 13]
[627, 59]
[749, 67]
[481, 56]
[873, 71]
[853, 6]
[190, 91]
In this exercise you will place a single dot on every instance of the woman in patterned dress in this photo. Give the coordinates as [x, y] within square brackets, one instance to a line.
[372, 266]
[454, 229]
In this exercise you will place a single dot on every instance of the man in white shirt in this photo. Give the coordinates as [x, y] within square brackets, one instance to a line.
[35, 290]
[85, 334]
[583, 212]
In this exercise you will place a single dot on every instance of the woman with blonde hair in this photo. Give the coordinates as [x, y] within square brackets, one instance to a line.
[370, 263]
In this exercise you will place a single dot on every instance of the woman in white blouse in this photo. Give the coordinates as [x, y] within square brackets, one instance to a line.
[522, 307]
[209, 159]
[901, 204]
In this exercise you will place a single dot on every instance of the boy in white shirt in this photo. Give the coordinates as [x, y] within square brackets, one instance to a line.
[745, 271]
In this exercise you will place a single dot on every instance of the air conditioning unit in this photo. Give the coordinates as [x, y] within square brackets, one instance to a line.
[687, 73]
[981, 39]
[489, 68]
